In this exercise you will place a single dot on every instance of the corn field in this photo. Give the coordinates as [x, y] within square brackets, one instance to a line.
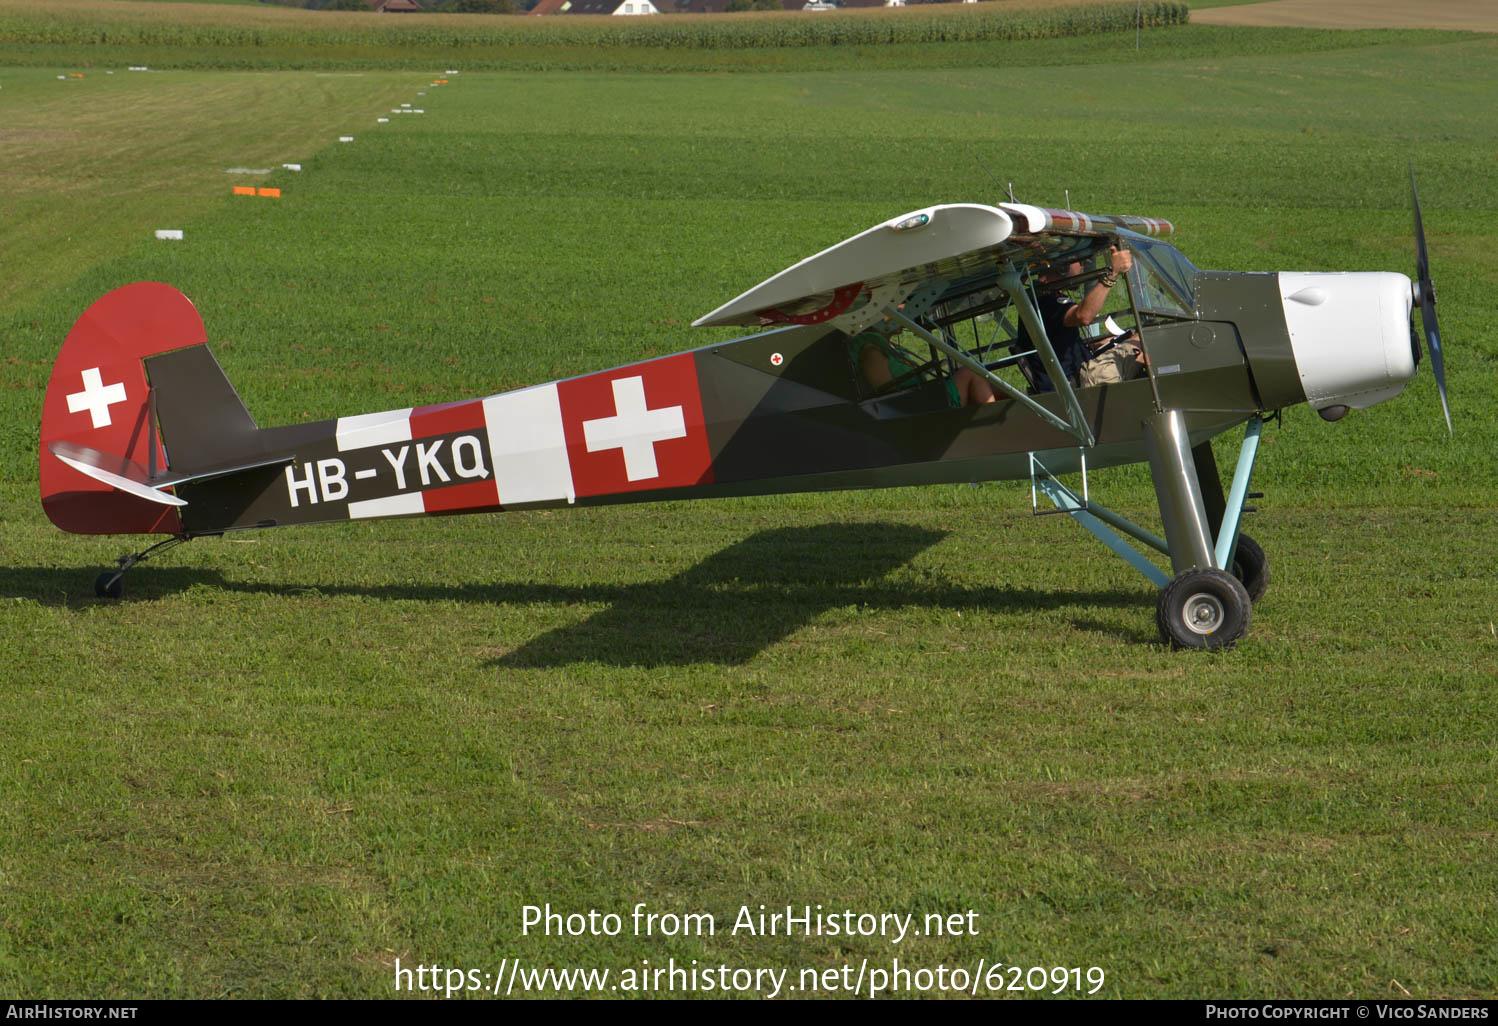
[34, 23]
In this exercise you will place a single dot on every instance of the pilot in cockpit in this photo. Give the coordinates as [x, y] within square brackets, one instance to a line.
[1086, 361]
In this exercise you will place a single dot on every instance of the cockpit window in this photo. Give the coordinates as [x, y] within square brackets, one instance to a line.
[1166, 280]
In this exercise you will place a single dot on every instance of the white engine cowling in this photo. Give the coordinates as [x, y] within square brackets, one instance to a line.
[1350, 333]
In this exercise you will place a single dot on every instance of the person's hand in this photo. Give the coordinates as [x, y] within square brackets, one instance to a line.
[1121, 260]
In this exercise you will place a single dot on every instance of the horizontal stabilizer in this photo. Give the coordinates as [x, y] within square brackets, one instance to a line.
[129, 476]
[115, 471]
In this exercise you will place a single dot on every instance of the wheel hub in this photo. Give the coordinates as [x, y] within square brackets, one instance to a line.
[1204, 613]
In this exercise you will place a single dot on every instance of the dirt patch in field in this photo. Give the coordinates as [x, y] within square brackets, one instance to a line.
[1358, 14]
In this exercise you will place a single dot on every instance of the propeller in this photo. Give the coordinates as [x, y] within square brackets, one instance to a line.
[1425, 299]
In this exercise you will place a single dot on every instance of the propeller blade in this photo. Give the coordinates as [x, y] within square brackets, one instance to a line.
[1433, 343]
[1422, 260]
[1427, 293]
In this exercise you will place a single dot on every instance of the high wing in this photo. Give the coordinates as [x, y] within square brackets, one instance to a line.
[941, 257]
[903, 250]
[850, 282]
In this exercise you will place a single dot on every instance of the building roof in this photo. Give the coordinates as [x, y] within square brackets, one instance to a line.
[600, 6]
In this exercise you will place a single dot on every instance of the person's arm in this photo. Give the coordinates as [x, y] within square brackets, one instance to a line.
[873, 363]
[1086, 311]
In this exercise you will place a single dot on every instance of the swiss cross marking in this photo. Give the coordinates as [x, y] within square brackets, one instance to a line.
[96, 397]
[635, 429]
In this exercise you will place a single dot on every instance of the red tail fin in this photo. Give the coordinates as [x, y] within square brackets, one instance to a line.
[98, 397]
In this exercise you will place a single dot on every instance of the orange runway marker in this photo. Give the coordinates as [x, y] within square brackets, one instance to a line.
[244, 190]
[272, 193]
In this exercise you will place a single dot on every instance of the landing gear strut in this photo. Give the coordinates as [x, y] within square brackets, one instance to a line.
[1219, 572]
[111, 583]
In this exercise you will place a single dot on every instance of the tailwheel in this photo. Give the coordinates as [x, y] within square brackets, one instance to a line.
[1204, 609]
[1251, 566]
[110, 584]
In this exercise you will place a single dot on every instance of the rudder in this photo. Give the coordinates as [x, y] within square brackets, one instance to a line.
[99, 397]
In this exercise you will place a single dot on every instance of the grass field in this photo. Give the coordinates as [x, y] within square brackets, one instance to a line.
[288, 759]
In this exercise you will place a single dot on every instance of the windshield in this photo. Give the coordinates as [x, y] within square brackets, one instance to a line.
[1166, 282]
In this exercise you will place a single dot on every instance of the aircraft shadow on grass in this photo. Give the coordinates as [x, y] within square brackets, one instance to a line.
[725, 610]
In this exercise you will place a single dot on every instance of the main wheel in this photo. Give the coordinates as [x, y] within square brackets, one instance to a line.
[110, 584]
[1204, 609]
[1251, 566]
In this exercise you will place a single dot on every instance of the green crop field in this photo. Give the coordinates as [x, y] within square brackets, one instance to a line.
[191, 35]
[289, 759]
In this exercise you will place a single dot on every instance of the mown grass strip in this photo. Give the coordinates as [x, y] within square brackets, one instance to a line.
[60, 199]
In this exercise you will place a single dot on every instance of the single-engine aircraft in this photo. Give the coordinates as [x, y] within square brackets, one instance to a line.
[143, 434]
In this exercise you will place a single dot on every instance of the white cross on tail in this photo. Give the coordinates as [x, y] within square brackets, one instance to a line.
[635, 429]
[96, 397]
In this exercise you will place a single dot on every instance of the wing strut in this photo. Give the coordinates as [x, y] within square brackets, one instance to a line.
[993, 379]
[1011, 283]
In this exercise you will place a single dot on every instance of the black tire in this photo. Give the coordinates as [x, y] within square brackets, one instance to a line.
[1251, 566]
[1204, 609]
[110, 584]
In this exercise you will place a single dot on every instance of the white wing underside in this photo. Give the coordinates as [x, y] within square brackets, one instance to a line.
[846, 285]
[952, 237]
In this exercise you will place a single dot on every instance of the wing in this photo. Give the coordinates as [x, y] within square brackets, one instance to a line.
[849, 283]
[957, 258]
